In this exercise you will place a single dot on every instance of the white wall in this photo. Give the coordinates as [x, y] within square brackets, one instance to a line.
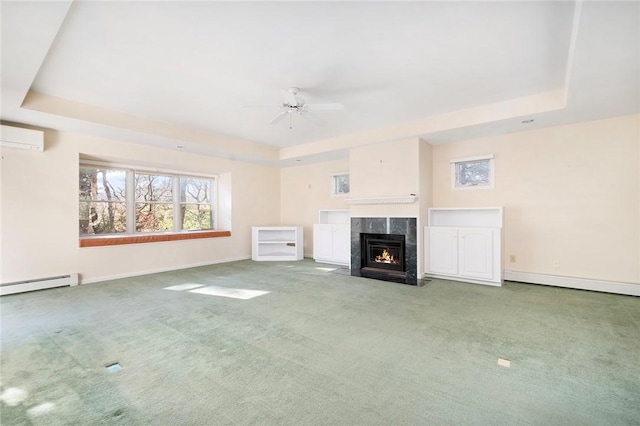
[306, 189]
[377, 170]
[39, 212]
[426, 197]
[570, 194]
[385, 170]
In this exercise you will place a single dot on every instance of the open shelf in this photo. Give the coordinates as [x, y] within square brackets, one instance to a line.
[333, 217]
[478, 217]
[277, 243]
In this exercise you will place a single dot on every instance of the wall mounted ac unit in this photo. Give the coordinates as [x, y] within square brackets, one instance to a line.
[19, 138]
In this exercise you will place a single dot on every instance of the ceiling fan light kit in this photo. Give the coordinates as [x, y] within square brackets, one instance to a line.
[294, 105]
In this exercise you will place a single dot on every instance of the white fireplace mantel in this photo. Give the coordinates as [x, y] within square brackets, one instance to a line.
[402, 199]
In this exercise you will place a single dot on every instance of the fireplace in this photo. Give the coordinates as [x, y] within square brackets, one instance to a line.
[385, 249]
[382, 251]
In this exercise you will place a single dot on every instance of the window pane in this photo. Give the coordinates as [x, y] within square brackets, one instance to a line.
[154, 217]
[102, 218]
[102, 184]
[196, 216]
[154, 188]
[472, 173]
[341, 184]
[194, 190]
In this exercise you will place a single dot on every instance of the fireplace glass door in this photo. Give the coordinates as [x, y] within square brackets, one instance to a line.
[383, 251]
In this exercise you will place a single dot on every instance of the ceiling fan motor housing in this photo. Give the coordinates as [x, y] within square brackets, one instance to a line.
[294, 104]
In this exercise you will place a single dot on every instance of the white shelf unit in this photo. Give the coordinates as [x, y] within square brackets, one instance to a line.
[333, 217]
[476, 217]
[277, 243]
[464, 244]
[332, 237]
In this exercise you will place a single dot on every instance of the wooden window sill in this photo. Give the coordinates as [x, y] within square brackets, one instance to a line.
[114, 240]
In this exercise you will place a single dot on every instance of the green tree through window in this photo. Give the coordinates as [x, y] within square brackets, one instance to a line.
[102, 201]
[158, 202]
[195, 204]
[154, 203]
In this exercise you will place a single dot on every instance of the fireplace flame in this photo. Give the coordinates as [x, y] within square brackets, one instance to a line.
[386, 257]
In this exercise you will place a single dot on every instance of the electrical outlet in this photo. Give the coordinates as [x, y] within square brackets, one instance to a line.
[556, 263]
[512, 258]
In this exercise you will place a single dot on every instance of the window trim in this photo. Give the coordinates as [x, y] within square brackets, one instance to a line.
[134, 237]
[454, 172]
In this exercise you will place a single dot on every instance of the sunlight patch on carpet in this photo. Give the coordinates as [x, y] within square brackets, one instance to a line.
[235, 293]
[41, 410]
[342, 271]
[325, 269]
[183, 287]
[13, 396]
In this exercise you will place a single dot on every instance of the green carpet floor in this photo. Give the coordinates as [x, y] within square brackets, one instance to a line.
[319, 348]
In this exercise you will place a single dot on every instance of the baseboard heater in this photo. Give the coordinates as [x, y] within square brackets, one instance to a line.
[40, 284]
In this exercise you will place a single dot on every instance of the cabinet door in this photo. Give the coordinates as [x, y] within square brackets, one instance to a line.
[322, 242]
[342, 244]
[443, 251]
[476, 253]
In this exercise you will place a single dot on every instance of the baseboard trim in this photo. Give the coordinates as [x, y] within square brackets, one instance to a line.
[39, 284]
[571, 282]
[462, 280]
[155, 271]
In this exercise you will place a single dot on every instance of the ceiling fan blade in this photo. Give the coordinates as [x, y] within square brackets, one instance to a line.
[289, 98]
[311, 117]
[278, 118]
[261, 106]
[324, 107]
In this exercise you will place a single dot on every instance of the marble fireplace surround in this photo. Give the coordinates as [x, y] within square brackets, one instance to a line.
[406, 226]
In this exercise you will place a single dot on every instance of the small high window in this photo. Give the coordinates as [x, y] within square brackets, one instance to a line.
[472, 172]
[340, 183]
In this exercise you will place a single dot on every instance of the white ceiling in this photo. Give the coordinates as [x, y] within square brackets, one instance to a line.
[442, 71]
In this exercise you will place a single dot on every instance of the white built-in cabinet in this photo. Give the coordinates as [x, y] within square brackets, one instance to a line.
[464, 244]
[332, 237]
[277, 243]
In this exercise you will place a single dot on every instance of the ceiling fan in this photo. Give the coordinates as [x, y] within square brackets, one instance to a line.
[295, 105]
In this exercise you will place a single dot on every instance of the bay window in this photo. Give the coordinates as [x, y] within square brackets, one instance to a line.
[126, 202]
